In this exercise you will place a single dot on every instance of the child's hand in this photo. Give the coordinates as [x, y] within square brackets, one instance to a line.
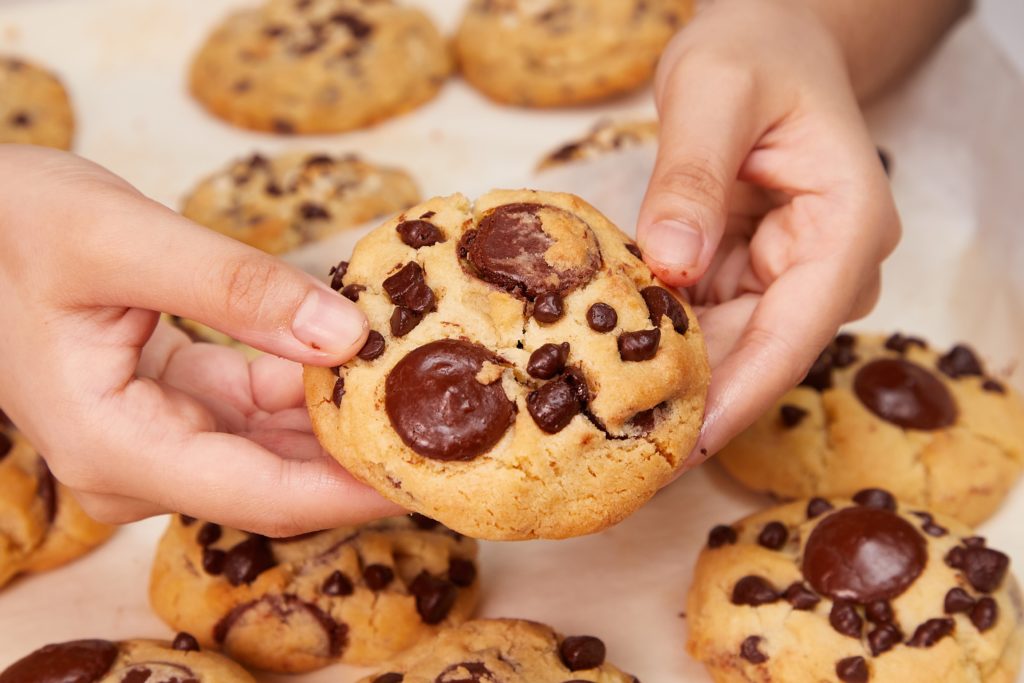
[131, 415]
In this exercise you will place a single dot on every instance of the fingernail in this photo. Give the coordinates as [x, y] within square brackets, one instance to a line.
[328, 322]
[673, 244]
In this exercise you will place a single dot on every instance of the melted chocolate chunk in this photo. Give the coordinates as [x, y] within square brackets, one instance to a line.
[338, 392]
[983, 567]
[548, 308]
[863, 554]
[993, 386]
[634, 250]
[661, 303]
[819, 377]
[931, 632]
[403, 321]
[901, 344]
[644, 420]
[378, 576]
[773, 536]
[852, 670]
[801, 597]
[753, 591]
[390, 677]
[435, 597]
[313, 212]
[351, 292]
[791, 416]
[817, 507]
[582, 652]
[844, 619]
[337, 273]
[213, 561]
[905, 394]
[974, 541]
[547, 361]
[248, 559]
[960, 362]
[419, 234]
[639, 346]
[984, 614]
[208, 534]
[408, 288]
[721, 535]
[374, 346]
[437, 406]
[466, 672]
[875, 498]
[883, 638]
[79, 661]
[957, 601]
[555, 404]
[750, 650]
[879, 612]
[337, 585]
[356, 26]
[602, 318]
[461, 572]
[185, 642]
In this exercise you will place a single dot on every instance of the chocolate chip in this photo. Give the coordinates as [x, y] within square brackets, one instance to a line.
[419, 233]
[318, 160]
[931, 632]
[721, 535]
[337, 584]
[661, 303]
[602, 318]
[185, 642]
[311, 211]
[863, 554]
[773, 536]
[750, 650]
[582, 652]
[351, 292]
[423, 522]
[643, 421]
[566, 153]
[639, 346]
[373, 348]
[213, 561]
[548, 308]
[879, 612]
[389, 678]
[984, 568]
[957, 600]
[438, 407]
[817, 507]
[819, 377]
[933, 529]
[408, 287]
[274, 30]
[993, 386]
[843, 355]
[208, 534]
[403, 321]
[791, 415]
[338, 392]
[378, 576]
[461, 572]
[282, 126]
[905, 394]
[960, 362]
[883, 638]
[434, 597]
[427, 215]
[974, 541]
[247, 560]
[356, 26]
[901, 344]
[554, 405]
[547, 361]
[844, 618]
[985, 614]
[801, 597]
[875, 498]
[852, 670]
[753, 591]
[21, 119]
[634, 250]
[272, 189]
[78, 661]
[337, 273]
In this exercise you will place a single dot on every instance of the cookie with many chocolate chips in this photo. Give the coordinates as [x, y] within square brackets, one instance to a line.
[280, 203]
[34, 106]
[356, 594]
[41, 524]
[506, 650]
[554, 53]
[128, 661]
[606, 137]
[527, 376]
[319, 66]
[933, 427]
[857, 590]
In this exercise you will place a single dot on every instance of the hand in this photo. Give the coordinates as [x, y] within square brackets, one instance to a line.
[132, 416]
[768, 201]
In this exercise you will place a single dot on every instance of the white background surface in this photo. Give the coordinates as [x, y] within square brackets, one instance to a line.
[954, 136]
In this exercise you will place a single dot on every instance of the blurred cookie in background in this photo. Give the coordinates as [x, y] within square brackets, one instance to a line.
[605, 137]
[34, 106]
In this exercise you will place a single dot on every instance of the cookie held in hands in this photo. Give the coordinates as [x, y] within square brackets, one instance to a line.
[526, 375]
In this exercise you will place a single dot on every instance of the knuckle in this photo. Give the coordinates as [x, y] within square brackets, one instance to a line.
[698, 183]
[247, 281]
[107, 510]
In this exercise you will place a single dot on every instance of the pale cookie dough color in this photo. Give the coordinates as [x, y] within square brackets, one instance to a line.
[525, 377]
[853, 591]
[932, 427]
[553, 53]
[319, 66]
[34, 106]
[41, 524]
[130, 661]
[357, 595]
[506, 650]
[605, 138]
[280, 203]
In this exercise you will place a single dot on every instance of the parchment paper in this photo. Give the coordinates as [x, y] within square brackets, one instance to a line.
[954, 135]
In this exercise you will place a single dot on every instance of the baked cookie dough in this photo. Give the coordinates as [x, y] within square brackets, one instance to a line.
[854, 591]
[932, 427]
[607, 136]
[525, 375]
[357, 594]
[34, 106]
[41, 524]
[506, 650]
[319, 66]
[279, 203]
[554, 53]
[129, 661]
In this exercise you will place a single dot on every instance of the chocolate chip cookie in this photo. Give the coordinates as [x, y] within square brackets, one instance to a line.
[319, 66]
[34, 106]
[607, 136]
[525, 377]
[357, 595]
[279, 203]
[41, 524]
[506, 650]
[934, 428]
[854, 590]
[554, 53]
[129, 661]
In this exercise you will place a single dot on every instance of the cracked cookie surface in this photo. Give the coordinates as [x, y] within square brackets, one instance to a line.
[853, 590]
[356, 595]
[34, 106]
[526, 376]
[605, 137]
[932, 427]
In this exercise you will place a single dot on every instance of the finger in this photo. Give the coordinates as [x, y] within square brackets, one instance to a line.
[722, 326]
[112, 509]
[276, 384]
[288, 443]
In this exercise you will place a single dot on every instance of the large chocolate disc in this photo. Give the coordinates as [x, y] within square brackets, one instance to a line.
[80, 661]
[905, 394]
